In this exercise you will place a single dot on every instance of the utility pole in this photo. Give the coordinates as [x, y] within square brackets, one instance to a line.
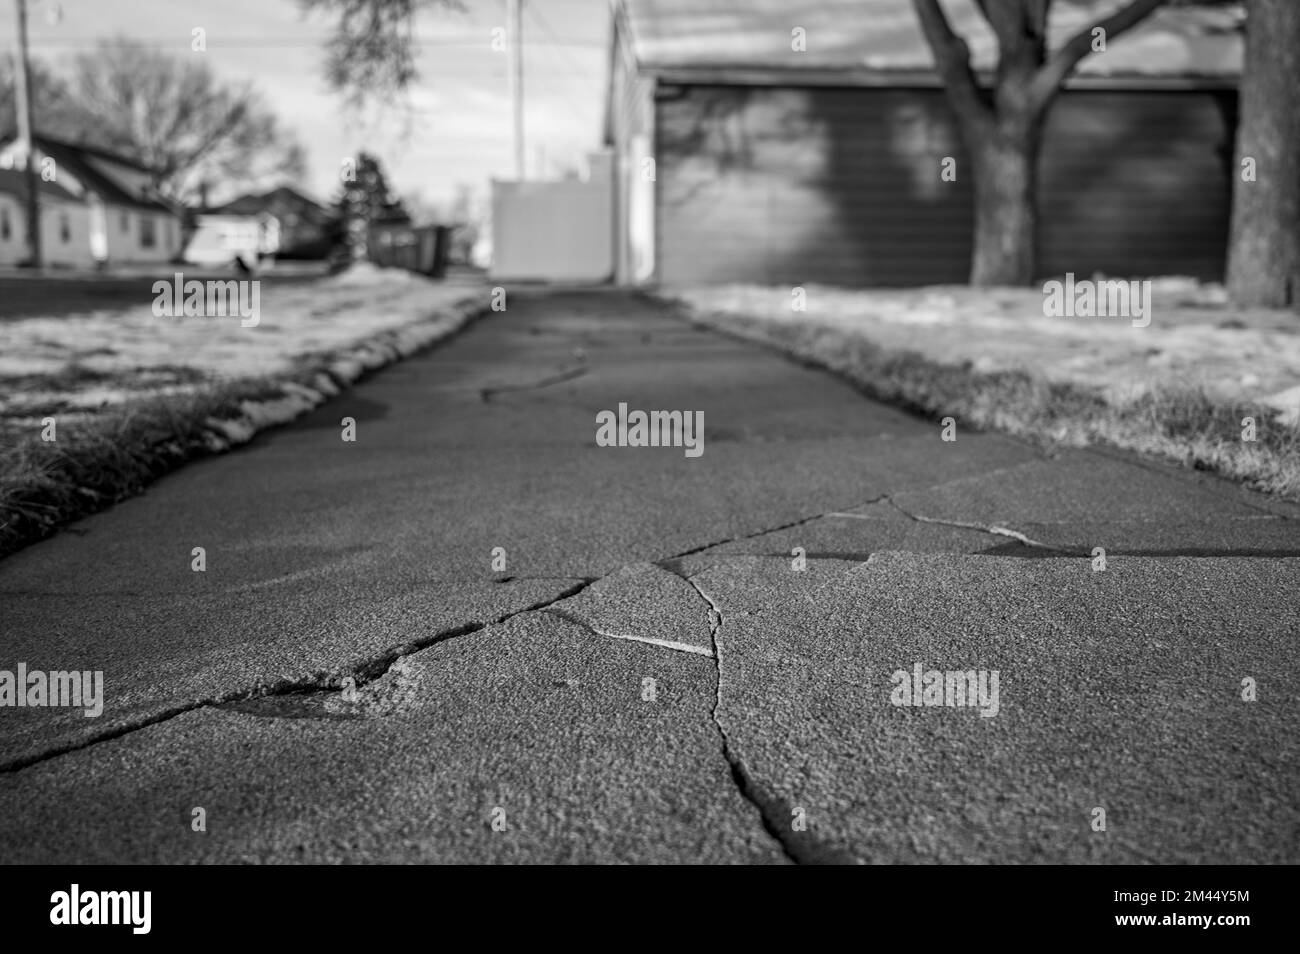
[515, 25]
[23, 92]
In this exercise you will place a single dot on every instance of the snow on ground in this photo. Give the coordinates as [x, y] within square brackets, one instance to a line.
[87, 360]
[1194, 338]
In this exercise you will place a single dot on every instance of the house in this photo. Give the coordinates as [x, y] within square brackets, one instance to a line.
[303, 223]
[63, 216]
[96, 207]
[801, 141]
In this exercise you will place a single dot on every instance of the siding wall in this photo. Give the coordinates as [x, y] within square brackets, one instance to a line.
[125, 232]
[124, 244]
[74, 253]
[631, 135]
[13, 237]
[843, 186]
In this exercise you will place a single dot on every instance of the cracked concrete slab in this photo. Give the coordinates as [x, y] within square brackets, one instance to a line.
[1120, 690]
[645, 603]
[1075, 488]
[1084, 500]
[537, 717]
[568, 510]
[158, 654]
[746, 584]
[1258, 536]
[857, 533]
[326, 558]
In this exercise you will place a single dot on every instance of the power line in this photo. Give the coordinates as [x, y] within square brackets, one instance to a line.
[586, 80]
[558, 44]
[574, 84]
[216, 42]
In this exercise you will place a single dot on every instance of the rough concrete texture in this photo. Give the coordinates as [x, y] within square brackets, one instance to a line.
[475, 607]
[1119, 690]
[645, 603]
[538, 718]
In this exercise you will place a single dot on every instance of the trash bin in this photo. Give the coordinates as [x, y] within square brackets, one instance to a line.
[441, 250]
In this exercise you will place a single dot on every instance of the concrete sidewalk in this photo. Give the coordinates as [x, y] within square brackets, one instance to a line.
[650, 678]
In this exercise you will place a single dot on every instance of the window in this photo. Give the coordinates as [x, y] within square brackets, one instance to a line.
[147, 236]
[124, 223]
[6, 228]
[65, 228]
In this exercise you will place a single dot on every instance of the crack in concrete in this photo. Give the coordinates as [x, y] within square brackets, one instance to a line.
[1191, 553]
[662, 564]
[744, 536]
[771, 811]
[360, 674]
[1036, 549]
[239, 587]
[485, 394]
[586, 624]
[994, 529]
[769, 808]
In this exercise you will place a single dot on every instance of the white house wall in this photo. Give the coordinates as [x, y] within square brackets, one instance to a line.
[123, 247]
[13, 234]
[73, 253]
[125, 231]
[631, 134]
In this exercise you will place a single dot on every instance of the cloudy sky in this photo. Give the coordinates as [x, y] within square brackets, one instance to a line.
[461, 127]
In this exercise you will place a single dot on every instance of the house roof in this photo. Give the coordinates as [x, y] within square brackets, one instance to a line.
[74, 157]
[89, 150]
[252, 203]
[233, 218]
[745, 39]
[14, 182]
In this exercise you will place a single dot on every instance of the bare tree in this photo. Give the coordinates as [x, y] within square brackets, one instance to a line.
[371, 53]
[53, 104]
[1002, 125]
[1264, 248]
[175, 116]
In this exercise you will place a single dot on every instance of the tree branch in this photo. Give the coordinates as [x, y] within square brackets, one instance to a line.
[1002, 17]
[1063, 61]
[952, 61]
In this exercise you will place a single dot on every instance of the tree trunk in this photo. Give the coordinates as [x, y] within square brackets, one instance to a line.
[1264, 247]
[1005, 158]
